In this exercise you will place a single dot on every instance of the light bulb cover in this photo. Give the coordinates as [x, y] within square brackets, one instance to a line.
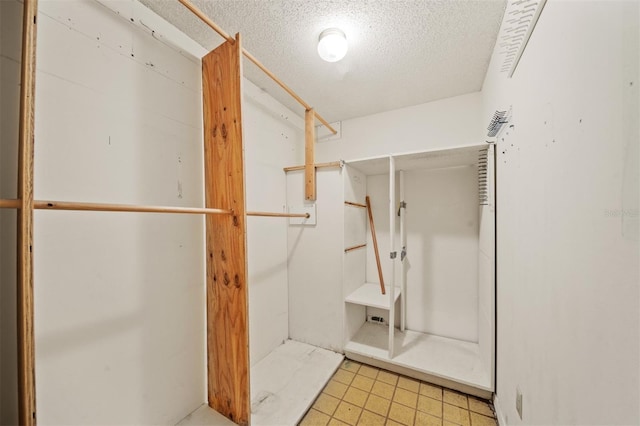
[332, 45]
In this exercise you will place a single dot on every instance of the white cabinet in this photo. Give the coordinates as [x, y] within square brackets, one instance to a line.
[435, 234]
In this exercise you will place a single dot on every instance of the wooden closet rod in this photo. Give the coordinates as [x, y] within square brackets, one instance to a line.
[104, 207]
[253, 59]
[317, 166]
[267, 214]
[350, 203]
[354, 248]
[9, 204]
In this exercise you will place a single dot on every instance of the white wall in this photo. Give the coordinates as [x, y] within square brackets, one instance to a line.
[440, 124]
[10, 33]
[119, 312]
[354, 261]
[442, 251]
[316, 304]
[568, 259]
[272, 134]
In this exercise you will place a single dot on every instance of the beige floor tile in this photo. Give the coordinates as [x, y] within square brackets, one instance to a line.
[326, 403]
[362, 382]
[480, 420]
[387, 377]
[393, 423]
[377, 405]
[455, 398]
[343, 376]
[432, 391]
[355, 396]
[401, 414]
[336, 422]
[315, 418]
[367, 418]
[348, 413]
[336, 389]
[455, 415]
[424, 419]
[448, 423]
[480, 406]
[382, 389]
[409, 384]
[367, 371]
[430, 406]
[403, 396]
[349, 365]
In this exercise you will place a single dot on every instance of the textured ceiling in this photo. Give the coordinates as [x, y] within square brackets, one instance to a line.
[401, 53]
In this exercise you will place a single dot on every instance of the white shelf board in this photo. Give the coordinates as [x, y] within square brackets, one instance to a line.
[369, 294]
[423, 356]
[285, 383]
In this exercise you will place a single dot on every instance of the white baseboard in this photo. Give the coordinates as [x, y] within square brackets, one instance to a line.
[499, 414]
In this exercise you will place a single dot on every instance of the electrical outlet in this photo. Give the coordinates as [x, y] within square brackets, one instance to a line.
[376, 319]
[519, 402]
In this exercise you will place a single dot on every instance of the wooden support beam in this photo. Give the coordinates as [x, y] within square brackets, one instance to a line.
[26, 339]
[347, 250]
[317, 166]
[350, 203]
[309, 156]
[375, 244]
[227, 316]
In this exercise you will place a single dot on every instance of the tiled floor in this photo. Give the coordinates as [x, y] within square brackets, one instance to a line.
[358, 394]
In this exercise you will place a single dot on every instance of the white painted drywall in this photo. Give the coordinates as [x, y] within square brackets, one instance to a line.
[355, 233]
[10, 34]
[316, 304]
[442, 251]
[441, 124]
[272, 134]
[568, 259]
[119, 298]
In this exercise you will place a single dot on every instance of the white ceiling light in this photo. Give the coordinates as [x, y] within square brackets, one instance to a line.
[332, 45]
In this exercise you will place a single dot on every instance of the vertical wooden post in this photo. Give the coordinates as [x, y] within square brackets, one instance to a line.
[26, 346]
[227, 317]
[309, 155]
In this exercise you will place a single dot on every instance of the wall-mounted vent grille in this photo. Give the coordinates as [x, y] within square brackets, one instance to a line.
[500, 118]
[483, 187]
[519, 20]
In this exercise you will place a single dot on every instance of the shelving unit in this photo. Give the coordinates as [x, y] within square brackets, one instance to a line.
[369, 295]
[448, 358]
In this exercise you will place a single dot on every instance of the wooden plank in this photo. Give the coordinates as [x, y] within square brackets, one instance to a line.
[309, 154]
[375, 244]
[227, 316]
[26, 340]
[317, 166]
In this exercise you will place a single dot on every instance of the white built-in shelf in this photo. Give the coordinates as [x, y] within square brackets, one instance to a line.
[369, 294]
[449, 362]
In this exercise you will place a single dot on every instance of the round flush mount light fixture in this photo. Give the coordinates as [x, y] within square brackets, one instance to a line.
[332, 45]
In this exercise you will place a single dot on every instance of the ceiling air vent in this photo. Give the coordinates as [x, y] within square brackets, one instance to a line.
[518, 23]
